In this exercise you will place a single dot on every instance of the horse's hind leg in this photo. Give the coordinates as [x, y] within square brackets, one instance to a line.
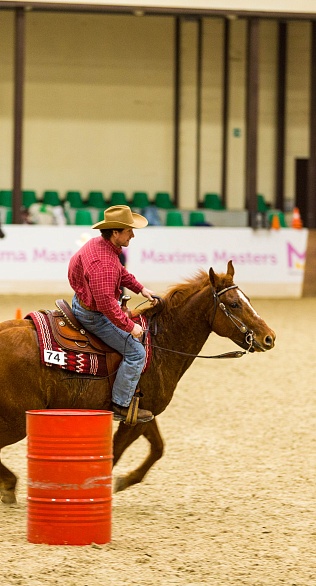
[7, 486]
[124, 437]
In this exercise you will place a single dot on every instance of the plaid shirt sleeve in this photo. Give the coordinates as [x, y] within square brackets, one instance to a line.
[96, 274]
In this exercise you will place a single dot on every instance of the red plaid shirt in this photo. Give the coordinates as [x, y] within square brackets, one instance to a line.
[96, 274]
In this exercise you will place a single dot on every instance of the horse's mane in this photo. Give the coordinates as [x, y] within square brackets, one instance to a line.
[178, 294]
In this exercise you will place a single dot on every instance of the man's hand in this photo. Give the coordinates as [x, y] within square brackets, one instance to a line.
[137, 331]
[149, 295]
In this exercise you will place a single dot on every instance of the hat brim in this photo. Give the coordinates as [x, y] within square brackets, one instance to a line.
[138, 222]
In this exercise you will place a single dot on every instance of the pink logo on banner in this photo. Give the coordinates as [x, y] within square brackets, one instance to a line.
[295, 259]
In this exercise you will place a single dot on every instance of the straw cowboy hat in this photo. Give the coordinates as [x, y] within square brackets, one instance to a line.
[121, 217]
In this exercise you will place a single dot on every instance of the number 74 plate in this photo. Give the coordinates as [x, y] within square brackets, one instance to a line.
[54, 357]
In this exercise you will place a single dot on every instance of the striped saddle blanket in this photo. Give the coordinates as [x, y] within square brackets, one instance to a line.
[54, 355]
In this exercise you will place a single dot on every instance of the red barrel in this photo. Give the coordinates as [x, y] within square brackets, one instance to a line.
[69, 476]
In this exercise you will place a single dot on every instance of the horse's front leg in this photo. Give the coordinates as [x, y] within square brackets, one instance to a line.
[124, 437]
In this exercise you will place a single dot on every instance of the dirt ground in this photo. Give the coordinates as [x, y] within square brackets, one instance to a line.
[231, 502]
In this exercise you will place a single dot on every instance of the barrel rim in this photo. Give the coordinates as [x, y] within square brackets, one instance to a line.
[68, 412]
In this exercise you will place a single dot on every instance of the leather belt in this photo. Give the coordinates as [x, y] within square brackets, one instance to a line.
[84, 305]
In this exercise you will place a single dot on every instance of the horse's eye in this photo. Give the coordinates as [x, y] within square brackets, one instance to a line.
[234, 305]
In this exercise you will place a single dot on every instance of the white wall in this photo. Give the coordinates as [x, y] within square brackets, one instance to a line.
[237, 112]
[298, 103]
[267, 110]
[259, 5]
[212, 104]
[99, 102]
[6, 99]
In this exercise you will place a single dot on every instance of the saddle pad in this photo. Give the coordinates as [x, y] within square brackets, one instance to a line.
[82, 363]
[54, 355]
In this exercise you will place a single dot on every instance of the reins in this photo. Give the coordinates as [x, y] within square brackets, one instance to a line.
[236, 321]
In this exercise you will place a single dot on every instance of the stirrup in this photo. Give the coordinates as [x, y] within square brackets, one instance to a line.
[131, 417]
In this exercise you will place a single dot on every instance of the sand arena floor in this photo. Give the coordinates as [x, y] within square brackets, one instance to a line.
[232, 502]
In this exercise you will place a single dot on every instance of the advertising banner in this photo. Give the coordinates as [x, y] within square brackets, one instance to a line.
[268, 263]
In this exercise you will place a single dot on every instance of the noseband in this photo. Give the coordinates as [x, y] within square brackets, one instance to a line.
[236, 321]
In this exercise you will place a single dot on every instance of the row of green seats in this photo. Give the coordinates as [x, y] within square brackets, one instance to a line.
[196, 218]
[173, 218]
[52, 197]
[97, 199]
[139, 199]
[28, 197]
[82, 217]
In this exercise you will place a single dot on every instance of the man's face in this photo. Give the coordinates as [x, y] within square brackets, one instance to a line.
[122, 238]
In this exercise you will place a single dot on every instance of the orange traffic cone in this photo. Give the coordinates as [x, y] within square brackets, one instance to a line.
[18, 313]
[296, 219]
[275, 222]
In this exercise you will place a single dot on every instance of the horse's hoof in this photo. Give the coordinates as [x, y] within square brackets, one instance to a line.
[119, 484]
[8, 497]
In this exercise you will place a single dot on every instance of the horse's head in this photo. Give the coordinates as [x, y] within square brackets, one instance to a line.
[234, 317]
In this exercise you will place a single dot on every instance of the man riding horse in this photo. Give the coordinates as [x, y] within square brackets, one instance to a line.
[96, 275]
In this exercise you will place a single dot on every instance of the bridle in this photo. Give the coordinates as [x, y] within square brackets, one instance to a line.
[249, 338]
[236, 321]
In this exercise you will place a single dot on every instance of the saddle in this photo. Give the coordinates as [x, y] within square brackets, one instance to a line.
[70, 335]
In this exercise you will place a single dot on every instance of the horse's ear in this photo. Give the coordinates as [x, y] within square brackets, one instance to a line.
[230, 268]
[212, 276]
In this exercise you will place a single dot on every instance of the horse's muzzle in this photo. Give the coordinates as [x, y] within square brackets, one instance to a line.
[267, 343]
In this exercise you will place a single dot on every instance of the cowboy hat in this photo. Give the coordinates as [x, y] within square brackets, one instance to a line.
[121, 217]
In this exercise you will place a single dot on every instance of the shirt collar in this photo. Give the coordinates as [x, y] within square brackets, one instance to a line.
[116, 249]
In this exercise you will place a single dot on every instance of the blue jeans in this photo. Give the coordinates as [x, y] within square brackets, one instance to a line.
[132, 350]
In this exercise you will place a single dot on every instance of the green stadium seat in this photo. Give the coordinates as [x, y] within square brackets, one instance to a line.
[140, 199]
[9, 217]
[196, 218]
[100, 216]
[74, 199]
[96, 200]
[28, 197]
[280, 215]
[163, 200]
[174, 218]
[212, 201]
[261, 204]
[118, 198]
[6, 198]
[83, 218]
[51, 197]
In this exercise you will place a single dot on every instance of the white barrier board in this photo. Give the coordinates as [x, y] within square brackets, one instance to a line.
[34, 259]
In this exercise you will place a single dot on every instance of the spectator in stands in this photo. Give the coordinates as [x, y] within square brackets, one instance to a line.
[40, 213]
[25, 216]
[152, 215]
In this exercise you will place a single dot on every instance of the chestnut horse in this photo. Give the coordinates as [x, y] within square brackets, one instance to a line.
[180, 325]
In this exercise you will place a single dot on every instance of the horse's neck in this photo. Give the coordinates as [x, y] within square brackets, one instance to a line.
[181, 334]
[186, 328]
